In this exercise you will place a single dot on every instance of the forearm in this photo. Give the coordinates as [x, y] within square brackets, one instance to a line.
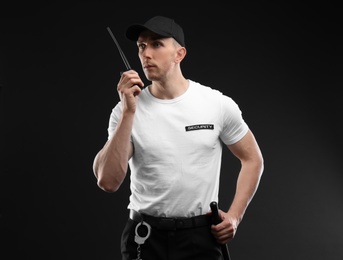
[111, 163]
[247, 184]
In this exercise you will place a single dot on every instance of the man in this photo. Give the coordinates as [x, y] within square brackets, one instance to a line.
[171, 135]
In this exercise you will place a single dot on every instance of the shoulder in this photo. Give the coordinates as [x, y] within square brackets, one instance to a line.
[209, 92]
[228, 107]
[204, 89]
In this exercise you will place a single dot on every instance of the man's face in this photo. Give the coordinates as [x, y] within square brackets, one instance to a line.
[157, 55]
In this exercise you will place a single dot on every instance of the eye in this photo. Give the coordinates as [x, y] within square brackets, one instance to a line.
[141, 46]
[157, 44]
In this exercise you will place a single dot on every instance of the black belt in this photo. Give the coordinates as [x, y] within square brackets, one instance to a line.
[165, 223]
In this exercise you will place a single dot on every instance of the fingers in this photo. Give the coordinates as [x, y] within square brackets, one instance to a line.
[222, 233]
[225, 231]
[128, 89]
[130, 83]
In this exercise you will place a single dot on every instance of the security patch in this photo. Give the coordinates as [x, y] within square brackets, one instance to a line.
[199, 127]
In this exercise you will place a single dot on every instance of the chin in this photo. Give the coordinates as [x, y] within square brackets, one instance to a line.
[150, 77]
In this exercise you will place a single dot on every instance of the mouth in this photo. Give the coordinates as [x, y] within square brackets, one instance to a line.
[148, 66]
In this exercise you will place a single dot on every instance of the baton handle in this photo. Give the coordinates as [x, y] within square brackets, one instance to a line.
[216, 220]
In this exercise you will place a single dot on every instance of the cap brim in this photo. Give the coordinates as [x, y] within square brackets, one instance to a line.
[133, 32]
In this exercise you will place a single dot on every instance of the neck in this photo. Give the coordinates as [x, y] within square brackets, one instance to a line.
[169, 89]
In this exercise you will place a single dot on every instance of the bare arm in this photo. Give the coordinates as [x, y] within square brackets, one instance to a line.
[252, 165]
[111, 162]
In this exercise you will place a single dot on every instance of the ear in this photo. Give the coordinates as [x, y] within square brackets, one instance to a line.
[180, 54]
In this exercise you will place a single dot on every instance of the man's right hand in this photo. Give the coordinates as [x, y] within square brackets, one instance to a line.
[129, 87]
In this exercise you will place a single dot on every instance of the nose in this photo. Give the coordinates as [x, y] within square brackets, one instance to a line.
[146, 53]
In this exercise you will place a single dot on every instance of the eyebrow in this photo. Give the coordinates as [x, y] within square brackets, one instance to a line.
[153, 38]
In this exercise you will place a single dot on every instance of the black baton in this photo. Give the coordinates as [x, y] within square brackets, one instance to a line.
[216, 220]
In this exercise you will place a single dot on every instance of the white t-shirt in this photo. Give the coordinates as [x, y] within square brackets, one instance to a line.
[175, 167]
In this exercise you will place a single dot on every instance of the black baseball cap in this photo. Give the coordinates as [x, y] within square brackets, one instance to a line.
[164, 26]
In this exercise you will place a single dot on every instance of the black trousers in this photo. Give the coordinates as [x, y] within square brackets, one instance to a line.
[181, 244]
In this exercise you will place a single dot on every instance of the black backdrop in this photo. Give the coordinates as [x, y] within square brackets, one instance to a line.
[59, 67]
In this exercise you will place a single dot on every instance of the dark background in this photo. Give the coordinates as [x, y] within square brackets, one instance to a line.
[59, 68]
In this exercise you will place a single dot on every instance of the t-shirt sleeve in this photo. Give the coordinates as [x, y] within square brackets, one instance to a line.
[114, 119]
[234, 127]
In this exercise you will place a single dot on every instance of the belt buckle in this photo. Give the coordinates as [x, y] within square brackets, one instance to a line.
[167, 223]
